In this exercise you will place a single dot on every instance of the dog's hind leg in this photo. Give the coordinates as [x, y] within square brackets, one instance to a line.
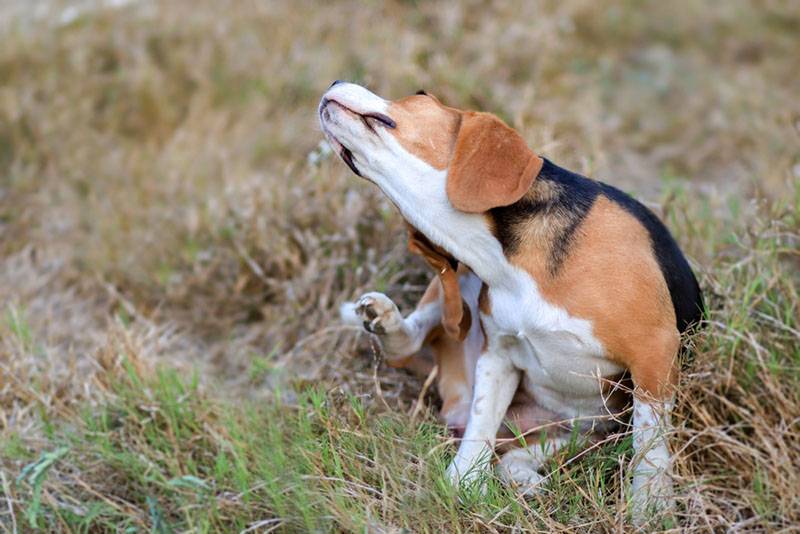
[652, 482]
[654, 379]
[420, 341]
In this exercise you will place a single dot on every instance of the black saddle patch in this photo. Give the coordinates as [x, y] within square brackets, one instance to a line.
[563, 199]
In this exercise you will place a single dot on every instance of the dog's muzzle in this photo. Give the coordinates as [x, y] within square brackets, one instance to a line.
[368, 119]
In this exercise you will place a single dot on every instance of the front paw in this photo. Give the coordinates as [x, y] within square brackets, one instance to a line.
[652, 495]
[452, 474]
[470, 486]
[378, 314]
[466, 477]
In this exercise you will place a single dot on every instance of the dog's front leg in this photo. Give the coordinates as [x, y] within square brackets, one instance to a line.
[496, 380]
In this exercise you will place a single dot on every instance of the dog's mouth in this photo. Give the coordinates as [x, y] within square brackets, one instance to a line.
[347, 157]
[345, 153]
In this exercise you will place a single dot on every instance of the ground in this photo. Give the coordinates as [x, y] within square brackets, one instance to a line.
[175, 243]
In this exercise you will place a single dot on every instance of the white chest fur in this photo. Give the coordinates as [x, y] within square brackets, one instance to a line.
[560, 360]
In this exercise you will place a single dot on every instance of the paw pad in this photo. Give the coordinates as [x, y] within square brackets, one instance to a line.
[379, 315]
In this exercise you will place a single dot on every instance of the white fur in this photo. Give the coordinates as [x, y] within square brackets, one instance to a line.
[520, 467]
[652, 483]
[470, 286]
[496, 381]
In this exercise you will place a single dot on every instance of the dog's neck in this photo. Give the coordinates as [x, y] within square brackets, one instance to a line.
[419, 192]
[464, 236]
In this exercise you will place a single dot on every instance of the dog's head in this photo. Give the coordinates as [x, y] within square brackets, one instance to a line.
[417, 147]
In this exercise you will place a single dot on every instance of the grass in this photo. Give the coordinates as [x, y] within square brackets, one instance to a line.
[175, 245]
[173, 457]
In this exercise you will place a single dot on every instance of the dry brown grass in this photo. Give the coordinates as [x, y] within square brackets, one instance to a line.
[158, 205]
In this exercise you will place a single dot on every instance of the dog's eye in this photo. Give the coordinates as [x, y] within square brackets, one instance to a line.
[422, 92]
[381, 118]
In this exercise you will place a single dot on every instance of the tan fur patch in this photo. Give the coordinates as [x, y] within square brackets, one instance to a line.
[489, 163]
[611, 278]
[400, 363]
[426, 128]
[452, 381]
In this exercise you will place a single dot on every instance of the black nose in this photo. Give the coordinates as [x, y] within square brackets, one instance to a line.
[336, 82]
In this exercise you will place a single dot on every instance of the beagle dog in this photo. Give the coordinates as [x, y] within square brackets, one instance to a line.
[573, 283]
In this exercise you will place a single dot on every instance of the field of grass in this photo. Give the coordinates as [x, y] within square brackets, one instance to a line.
[175, 242]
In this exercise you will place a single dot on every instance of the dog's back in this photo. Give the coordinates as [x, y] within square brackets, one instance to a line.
[565, 199]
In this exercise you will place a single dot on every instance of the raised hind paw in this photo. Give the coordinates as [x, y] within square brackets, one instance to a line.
[378, 314]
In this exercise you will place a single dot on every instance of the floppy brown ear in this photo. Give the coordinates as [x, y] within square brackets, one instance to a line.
[456, 318]
[491, 166]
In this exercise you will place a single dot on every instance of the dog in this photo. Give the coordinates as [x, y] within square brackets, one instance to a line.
[580, 284]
